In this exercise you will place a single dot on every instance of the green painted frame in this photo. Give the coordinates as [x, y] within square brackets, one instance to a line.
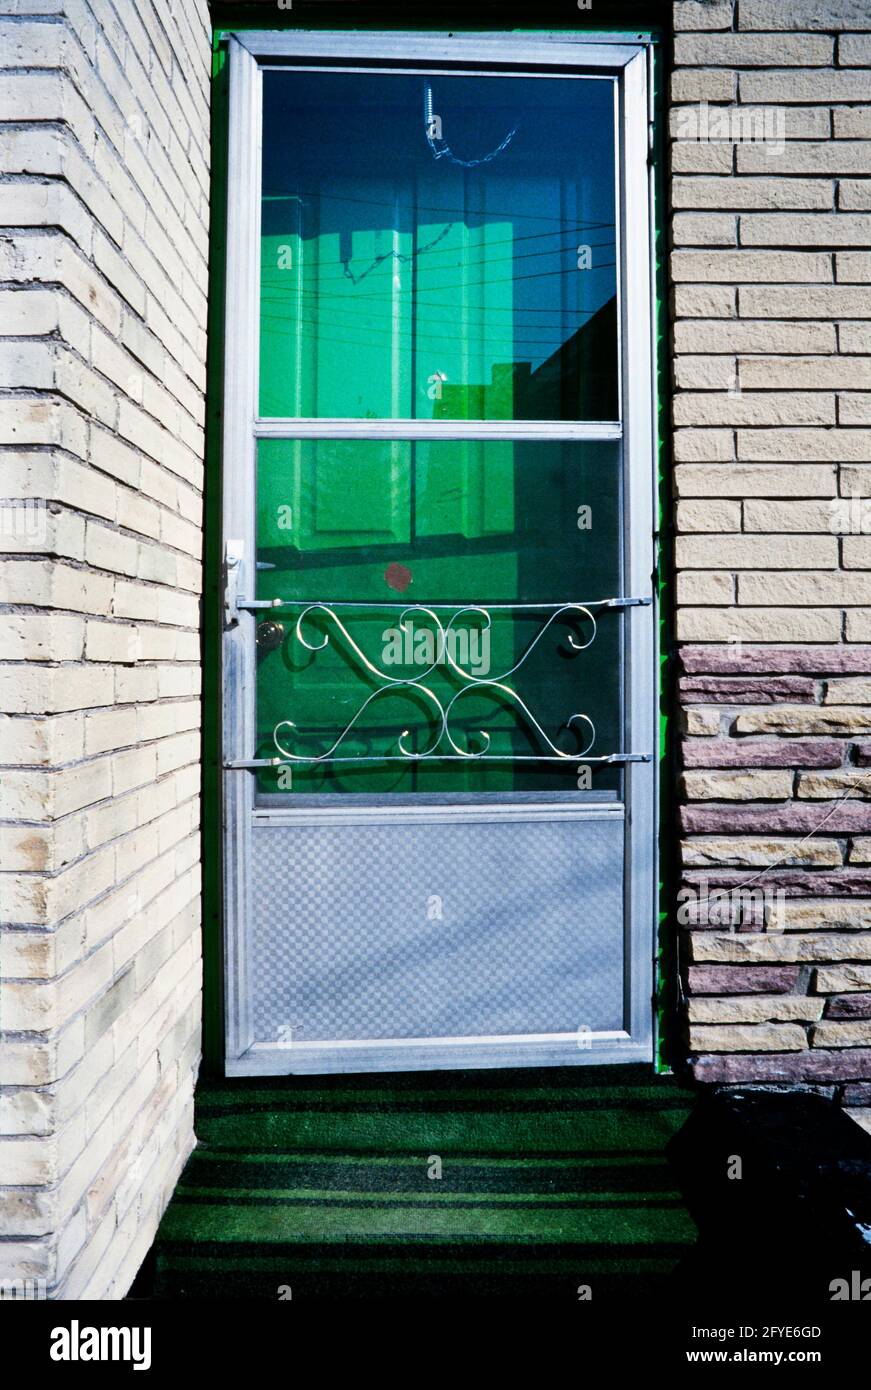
[628, 15]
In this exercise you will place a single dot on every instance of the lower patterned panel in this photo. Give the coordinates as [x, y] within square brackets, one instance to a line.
[387, 930]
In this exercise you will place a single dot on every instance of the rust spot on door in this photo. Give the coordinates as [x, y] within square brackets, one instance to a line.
[398, 577]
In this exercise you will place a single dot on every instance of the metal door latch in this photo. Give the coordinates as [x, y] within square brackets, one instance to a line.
[233, 552]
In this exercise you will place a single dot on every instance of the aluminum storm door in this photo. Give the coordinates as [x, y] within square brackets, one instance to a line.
[439, 623]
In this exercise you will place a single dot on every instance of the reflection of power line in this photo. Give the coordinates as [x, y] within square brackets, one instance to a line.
[481, 345]
[474, 331]
[410, 210]
[480, 308]
[494, 348]
[478, 318]
[503, 241]
[407, 256]
[537, 236]
[464, 285]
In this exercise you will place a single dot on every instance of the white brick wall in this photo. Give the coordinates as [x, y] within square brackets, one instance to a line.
[104, 162]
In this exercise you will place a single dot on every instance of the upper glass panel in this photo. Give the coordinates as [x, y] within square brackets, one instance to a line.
[438, 247]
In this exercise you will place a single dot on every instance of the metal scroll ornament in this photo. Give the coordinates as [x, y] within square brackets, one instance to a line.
[444, 744]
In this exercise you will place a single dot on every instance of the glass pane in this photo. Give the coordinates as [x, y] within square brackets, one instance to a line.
[438, 247]
[401, 566]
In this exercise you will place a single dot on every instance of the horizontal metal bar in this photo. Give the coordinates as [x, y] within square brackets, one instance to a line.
[593, 431]
[433, 808]
[500, 1039]
[251, 764]
[263, 1060]
[253, 604]
[374, 67]
[550, 49]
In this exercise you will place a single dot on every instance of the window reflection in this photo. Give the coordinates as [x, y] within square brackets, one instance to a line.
[438, 248]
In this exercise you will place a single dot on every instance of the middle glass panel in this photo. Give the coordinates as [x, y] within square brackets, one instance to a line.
[439, 599]
[438, 247]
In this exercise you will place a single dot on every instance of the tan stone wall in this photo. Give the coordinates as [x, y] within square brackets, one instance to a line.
[103, 283]
[771, 269]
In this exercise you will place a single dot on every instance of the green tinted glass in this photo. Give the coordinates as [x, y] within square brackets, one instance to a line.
[433, 600]
[438, 248]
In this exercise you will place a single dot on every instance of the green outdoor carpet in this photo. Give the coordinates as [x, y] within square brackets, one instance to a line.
[550, 1180]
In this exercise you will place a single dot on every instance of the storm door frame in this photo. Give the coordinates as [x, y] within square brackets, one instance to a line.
[536, 55]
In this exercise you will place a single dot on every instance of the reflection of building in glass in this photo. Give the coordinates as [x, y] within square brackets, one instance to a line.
[578, 380]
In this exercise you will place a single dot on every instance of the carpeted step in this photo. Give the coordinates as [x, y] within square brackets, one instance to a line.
[328, 1186]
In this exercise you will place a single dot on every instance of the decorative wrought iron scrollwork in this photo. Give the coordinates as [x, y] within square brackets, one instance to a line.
[443, 745]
